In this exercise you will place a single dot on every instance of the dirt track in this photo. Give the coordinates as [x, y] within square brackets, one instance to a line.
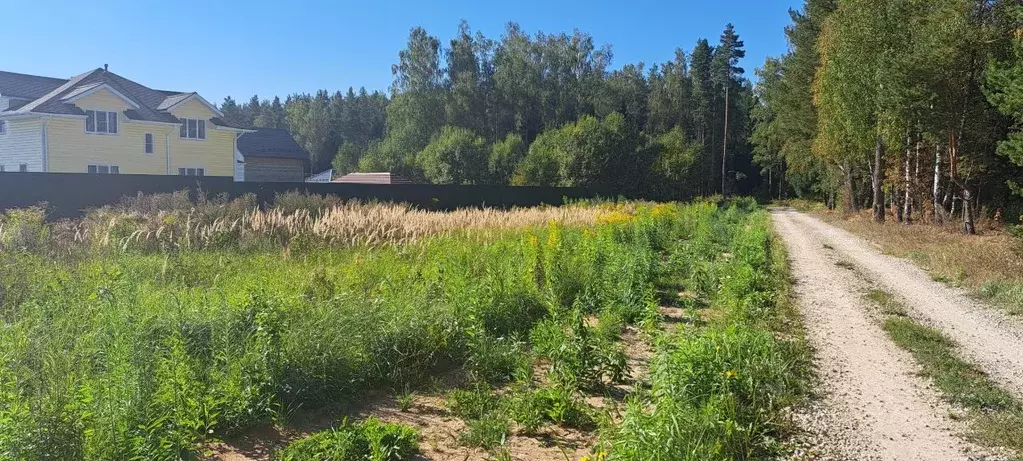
[873, 405]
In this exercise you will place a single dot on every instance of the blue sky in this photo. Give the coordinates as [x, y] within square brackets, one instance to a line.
[280, 47]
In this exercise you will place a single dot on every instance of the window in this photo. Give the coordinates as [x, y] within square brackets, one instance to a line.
[1, 168]
[3, 126]
[104, 169]
[148, 143]
[23, 167]
[98, 121]
[192, 171]
[193, 129]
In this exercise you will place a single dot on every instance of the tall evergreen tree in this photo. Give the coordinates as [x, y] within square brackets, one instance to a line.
[786, 116]
[232, 112]
[702, 107]
[1004, 89]
[726, 70]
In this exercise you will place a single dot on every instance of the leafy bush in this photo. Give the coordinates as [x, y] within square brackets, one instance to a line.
[473, 403]
[455, 156]
[487, 432]
[368, 440]
[23, 229]
[532, 408]
[577, 355]
[314, 204]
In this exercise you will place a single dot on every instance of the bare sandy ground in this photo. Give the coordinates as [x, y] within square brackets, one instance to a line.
[872, 403]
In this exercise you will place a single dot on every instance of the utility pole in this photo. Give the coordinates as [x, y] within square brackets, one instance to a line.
[724, 149]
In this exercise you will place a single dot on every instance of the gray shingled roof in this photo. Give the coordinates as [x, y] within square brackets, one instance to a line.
[170, 101]
[51, 102]
[80, 89]
[270, 142]
[27, 86]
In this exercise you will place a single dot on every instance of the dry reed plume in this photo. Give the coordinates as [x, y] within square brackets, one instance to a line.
[340, 224]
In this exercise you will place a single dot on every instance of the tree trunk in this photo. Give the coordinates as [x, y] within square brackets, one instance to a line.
[709, 155]
[724, 146]
[877, 181]
[896, 205]
[968, 227]
[849, 198]
[781, 180]
[936, 202]
[916, 174]
[907, 199]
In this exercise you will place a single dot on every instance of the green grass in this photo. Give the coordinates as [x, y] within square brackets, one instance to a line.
[887, 303]
[1006, 294]
[995, 417]
[718, 391]
[370, 440]
[154, 353]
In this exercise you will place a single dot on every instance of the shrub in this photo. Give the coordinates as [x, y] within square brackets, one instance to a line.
[473, 403]
[23, 229]
[486, 432]
[552, 404]
[368, 440]
[578, 356]
[314, 204]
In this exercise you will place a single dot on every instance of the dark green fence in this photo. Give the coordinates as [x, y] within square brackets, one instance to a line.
[69, 194]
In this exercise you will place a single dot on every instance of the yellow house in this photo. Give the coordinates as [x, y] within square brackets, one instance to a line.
[99, 122]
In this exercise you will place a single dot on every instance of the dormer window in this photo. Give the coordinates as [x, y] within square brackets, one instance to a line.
[193, 129]
[98, 121]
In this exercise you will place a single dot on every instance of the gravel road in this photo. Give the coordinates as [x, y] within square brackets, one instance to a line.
[872, 404]
[986, 336]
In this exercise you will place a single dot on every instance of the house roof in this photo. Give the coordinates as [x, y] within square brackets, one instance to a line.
[372, 178]
[53, 96]
[270, 142]
[25, 86]
[172, 100]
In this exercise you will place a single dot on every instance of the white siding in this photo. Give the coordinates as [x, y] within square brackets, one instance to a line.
[22, 143]
[4, 103]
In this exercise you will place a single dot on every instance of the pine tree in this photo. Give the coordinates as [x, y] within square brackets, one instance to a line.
[1004, 89]
[702, 107]
[232, 112]
[251, 111]
[725, 71]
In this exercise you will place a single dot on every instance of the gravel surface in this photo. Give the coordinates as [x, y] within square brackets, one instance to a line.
[872, 404]
[986, 336]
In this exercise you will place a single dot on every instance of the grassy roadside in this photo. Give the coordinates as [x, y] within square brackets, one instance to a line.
[995, 418]
[989, 265]
[721, 390]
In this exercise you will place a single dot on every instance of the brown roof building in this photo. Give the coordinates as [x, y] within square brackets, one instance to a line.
[372, 178]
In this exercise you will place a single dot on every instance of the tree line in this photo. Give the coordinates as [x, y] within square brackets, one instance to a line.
[909, 107]
[536, 109]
